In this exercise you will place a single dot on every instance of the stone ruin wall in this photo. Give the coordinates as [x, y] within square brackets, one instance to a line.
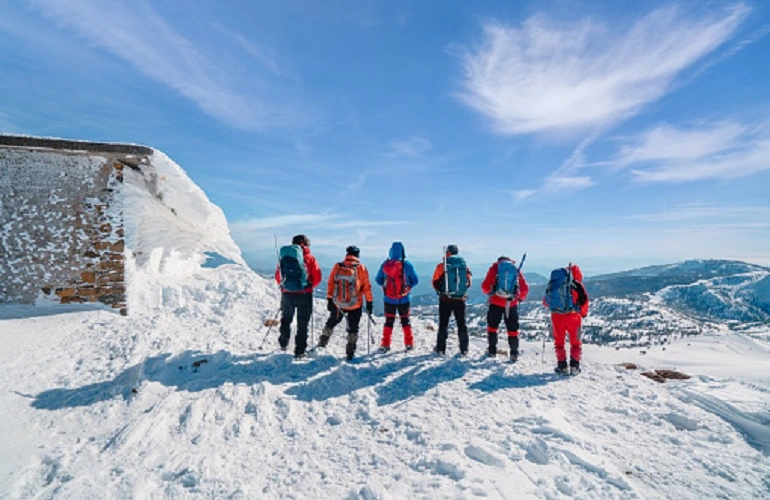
[61, 220]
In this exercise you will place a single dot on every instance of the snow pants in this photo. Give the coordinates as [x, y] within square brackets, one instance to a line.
[447, 307]
[390, 318]
[303, 304]
[564, 324]
[495, 315]
[354, 320]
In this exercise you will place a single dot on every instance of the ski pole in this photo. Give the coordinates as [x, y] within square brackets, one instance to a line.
[270, 327]
[369, 334]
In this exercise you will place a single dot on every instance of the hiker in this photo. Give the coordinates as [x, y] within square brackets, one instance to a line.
[396, 276]
[297, 273]
[566, 298]
[506, 287]
[347, 289]
[452, 295]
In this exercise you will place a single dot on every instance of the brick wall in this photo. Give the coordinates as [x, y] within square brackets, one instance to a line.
[61, 220]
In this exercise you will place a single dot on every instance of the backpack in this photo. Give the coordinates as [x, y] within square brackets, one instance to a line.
[394, 278]
[293, 270]
[345, 294]
[558, 294]
[456, 277]
[507, 282]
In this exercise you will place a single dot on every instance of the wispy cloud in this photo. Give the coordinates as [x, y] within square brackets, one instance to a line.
[722, 150]
[281, 221]
[134, 32]
[708, 212]
[545, 75]
[412, 147]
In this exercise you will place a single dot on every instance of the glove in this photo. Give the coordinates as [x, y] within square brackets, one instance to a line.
[369, 307]
[330, 305]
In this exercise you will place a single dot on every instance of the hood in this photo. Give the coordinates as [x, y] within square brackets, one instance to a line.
[577, 275]
[397, 251]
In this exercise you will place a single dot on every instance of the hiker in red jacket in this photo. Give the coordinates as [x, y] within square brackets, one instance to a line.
[297, 273]
[567, 300]
[506, 287]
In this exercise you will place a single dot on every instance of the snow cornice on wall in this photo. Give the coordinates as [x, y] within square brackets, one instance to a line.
[27, 141]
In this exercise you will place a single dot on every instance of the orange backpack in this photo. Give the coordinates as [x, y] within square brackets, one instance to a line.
[345, 294]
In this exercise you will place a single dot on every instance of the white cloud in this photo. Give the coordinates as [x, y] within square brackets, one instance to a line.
[709, 213]
[412, 147]
[666, 143]
[280, 221]
[723, 150]
[137, 34]
[545, 75]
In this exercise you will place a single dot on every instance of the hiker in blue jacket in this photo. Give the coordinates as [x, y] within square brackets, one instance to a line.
[396, 276]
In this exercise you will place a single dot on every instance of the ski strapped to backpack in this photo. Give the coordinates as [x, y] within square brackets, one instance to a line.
[558, 294]
[294, 275]
[345, 294]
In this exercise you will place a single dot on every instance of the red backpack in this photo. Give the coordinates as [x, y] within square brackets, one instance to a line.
[395, 285]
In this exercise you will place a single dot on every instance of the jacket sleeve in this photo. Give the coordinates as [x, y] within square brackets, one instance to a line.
[380, 277]
[489, 280]
[278, 274]
[523, 289]
[411, 276]
[366, 285]
[330, 284]
[437, 274]
[470, 279]
[313, 270]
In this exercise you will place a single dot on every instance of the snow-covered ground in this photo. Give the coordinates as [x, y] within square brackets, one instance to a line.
[178, 400]
[98, 405]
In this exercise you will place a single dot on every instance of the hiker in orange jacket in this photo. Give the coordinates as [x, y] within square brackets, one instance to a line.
[567, 318]
[299, 298]
[505, 289]
[346, 292]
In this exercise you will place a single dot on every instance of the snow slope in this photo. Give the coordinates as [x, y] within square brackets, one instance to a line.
[177, 399]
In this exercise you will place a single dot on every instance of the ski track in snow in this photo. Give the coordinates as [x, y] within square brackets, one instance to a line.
[181, 403]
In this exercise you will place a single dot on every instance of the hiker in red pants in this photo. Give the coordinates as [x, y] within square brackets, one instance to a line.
[567, 300]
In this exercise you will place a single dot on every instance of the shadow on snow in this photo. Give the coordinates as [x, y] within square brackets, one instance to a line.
[323, 378]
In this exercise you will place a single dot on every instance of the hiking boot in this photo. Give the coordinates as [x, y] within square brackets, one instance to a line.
[491, 354]
[463, 352]
[514, 356]
[350, 351]
[300, 356]
[409, 348]
[384, 348]
[562, 368]
[284, 348]
[438, 352]
[323, 340]
[574, 367]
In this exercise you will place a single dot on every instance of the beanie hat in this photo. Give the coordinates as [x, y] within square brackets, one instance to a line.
[452, 250]
[301, 239]
[353, 250]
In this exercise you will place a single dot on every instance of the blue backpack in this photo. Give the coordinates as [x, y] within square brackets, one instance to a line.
[558, 294]
[456, 274]
[507, 282]
[293, 269]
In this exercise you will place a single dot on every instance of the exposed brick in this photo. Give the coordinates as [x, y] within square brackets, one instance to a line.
[65, 292]
[118, 246]
[88, 276]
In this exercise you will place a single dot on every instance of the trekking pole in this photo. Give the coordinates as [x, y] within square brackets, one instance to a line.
[542, 352]
[270, 327]
[369, 334]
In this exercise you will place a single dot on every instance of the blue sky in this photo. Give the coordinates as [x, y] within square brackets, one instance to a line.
[613, 134]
